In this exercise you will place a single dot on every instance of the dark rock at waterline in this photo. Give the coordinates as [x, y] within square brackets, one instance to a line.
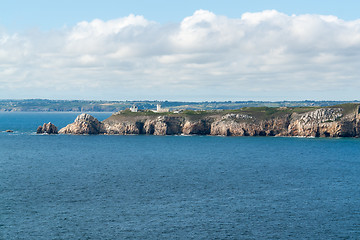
[48, 128]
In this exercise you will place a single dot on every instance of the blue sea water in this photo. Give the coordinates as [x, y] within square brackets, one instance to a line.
[174, 187]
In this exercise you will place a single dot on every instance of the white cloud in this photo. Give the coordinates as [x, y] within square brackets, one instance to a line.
[264, 55]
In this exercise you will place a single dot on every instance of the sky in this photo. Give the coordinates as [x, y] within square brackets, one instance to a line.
[180, 50]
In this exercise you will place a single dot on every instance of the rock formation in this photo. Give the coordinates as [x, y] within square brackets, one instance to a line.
[271, 127]
[325, 122]
[200, 127]
[83, 124]
[312, 122]
[48, 128]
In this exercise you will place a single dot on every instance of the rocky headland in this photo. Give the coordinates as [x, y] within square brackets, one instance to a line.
[338, 121]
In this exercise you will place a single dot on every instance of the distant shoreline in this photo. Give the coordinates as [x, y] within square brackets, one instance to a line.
[45, 105]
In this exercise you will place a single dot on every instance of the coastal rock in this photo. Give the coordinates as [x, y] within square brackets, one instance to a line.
[162, 125]
[48, 128]
[322, 122]
[83, 124]
[227, 128]
[160, 128]
[200, 127]
[122, 128]
[149, 127]
[166, 125]
[272, 127]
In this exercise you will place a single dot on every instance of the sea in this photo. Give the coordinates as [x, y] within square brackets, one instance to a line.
[173, 187]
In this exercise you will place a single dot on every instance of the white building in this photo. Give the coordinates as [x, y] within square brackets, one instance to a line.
[134, 108]
[159, 109]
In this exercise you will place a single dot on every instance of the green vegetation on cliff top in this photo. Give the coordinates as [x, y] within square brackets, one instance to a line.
[255, 112]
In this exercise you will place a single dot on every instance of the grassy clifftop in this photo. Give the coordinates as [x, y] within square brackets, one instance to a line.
[259, 113]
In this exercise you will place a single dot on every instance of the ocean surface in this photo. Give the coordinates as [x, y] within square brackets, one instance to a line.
[174, 187]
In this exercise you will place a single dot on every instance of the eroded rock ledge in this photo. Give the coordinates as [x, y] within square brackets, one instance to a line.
[338, 121]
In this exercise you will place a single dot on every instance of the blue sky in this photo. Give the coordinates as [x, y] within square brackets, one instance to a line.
[184, 50]
[46, 15]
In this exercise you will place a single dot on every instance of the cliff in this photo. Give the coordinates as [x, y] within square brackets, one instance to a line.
[338, 121]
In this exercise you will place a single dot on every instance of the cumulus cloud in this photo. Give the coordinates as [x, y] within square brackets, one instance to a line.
[264, 55]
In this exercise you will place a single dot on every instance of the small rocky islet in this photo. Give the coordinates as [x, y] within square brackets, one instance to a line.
[336, 121]
[47, 128]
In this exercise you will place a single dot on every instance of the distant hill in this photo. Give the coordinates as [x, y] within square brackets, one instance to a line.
[45, 105]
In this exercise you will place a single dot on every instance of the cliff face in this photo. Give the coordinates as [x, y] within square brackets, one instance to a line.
[328, 122]
[323, 122]
[228, 126]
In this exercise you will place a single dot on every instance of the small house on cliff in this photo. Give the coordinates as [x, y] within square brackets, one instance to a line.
[134, 108]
